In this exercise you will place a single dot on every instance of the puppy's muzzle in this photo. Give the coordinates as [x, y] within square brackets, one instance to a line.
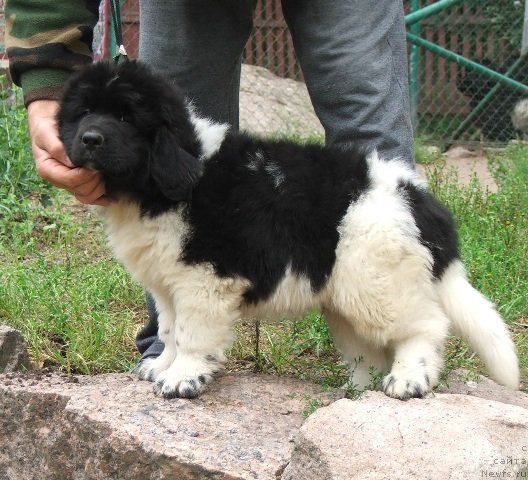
[91, 143]
[92, 140]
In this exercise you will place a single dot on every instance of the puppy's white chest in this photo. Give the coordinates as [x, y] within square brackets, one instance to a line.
[149, 247]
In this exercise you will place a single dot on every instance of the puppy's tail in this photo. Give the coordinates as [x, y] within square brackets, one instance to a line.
[475, 319]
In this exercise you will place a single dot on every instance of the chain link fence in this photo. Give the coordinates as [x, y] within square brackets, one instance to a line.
[452, 102]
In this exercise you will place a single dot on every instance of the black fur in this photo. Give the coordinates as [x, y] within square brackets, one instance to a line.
[244, 221]
[437, 229]
[149, 152]
[245, 226]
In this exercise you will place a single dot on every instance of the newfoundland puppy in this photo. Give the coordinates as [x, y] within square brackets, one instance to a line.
[218, 224]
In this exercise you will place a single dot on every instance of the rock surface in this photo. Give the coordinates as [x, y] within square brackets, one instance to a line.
[271, 105]
[448, 436]
[13, 351]
[246, 427]
[460, 381]
[113, 427]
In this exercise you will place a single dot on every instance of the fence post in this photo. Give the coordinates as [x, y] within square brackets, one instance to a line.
[113, 41]
[414, 69]
[524, 44]
[432, 9]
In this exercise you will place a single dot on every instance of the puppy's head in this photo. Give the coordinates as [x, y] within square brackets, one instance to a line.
[133, 126]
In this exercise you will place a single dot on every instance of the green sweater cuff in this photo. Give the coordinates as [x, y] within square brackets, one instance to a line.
[43, 84]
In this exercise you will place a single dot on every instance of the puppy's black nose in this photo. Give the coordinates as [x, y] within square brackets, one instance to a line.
[92, 139]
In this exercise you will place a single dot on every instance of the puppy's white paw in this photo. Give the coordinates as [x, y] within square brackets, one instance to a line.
[187, 377]
[170, 386]
[404, 387]
[150, 368]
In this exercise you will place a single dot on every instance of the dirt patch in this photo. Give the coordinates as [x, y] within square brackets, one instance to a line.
[467, 164]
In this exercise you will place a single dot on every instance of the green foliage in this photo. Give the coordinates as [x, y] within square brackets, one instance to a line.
[493, 228]
[505, 20]
[76, 314]
[313, 404]
[20, 186]
[298, 346]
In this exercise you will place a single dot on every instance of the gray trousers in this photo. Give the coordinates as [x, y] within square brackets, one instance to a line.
[352, 54]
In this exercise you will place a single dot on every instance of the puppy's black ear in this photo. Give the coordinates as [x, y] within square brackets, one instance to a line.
[174, 170]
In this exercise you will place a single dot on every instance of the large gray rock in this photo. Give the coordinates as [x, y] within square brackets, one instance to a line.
[446, 436]
[113, 427]
[247, 427]
[13, 351]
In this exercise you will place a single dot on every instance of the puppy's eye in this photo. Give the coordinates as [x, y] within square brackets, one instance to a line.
[84, 112]
[125, 118]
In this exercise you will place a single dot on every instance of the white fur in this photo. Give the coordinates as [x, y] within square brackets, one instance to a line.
[258, 161]
[389, 300]
[293, 296]
[274, 171]
[255, 161]
[193, 303]
[388, 174]
[475, 318]
[210, 134]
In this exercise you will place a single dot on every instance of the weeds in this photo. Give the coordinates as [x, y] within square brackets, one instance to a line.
[313, 404]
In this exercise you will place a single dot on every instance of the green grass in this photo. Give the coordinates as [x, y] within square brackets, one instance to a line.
[74, 305]
[79, 311]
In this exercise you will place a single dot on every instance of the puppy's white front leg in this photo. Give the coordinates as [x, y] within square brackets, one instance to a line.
[416, 368]
[205, 315]
[200, 342]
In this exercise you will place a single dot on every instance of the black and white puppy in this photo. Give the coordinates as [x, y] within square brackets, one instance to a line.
[217, 225]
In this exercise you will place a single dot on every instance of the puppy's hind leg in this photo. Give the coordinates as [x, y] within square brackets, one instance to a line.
[365, 359]
[417, 357]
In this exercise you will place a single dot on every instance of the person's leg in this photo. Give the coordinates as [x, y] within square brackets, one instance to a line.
[147, 341]
[199, 44]
[353, 56]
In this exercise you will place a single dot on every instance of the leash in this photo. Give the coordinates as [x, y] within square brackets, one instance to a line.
[120, 54]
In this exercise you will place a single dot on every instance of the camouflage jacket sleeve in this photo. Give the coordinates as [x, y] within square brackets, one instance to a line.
[46, 41]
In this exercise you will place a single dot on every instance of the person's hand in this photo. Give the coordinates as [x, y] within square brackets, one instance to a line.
[51, 160]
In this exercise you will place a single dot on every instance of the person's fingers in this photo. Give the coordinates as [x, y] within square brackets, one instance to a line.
[91, 191]
[44, 131]
[63, 176]
[87, 185]
[102, 201]
[47, 143]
